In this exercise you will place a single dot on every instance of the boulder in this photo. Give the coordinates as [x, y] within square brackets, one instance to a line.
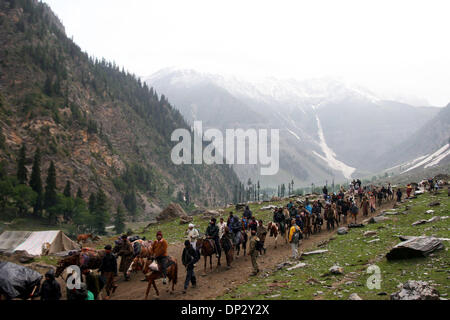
[174, 210]
[434, 219]
[355, 225]
[314, 252]
[416, 290]
[434, 204]
[342, 231]
[299, 265]
[378, 219]
[374, 240]
[207, 215]
[429, 212]
[415, 247]
[240, 206]
[186, 219]
[419, 222]
[370, 233]
[269, 207]
[354, 296]
[336, 270]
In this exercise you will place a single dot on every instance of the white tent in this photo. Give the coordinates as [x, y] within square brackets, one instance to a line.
[33, 242]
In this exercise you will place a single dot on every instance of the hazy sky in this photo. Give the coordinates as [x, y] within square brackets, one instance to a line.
[393, 47]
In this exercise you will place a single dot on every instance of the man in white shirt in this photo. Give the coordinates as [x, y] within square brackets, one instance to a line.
[193, 235]
[222, 225]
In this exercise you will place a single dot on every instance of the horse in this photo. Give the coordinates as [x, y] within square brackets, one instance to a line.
[228, 248]
[308, 225]
[82, 238]
[274, 230]
[152, 275]
[87, 257]
[207, 249]
[141, 249]
[242, 241]
[317, 223]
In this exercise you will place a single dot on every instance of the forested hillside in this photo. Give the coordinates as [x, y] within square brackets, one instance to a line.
[106, 132]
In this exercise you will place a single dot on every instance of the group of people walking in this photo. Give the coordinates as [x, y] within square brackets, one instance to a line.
[293, 221]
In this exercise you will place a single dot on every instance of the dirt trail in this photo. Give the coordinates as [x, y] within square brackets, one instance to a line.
[216, 282]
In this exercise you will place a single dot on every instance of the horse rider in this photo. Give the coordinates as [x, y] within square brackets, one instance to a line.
[126, 252]
[278, 217]
[193, 235]
[160, 253]
[221, 226]
[248, 213]
[212, 232]
[235, 227]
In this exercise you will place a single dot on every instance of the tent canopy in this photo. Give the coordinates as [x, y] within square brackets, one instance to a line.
[32, 242]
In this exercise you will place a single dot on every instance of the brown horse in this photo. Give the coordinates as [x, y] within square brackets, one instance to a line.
[308, 225]
[151, 276]
[317, 223]
[207, 249]
[274, 230]
[227, 246]
[82, 238]
[90, 258]
[142, 249]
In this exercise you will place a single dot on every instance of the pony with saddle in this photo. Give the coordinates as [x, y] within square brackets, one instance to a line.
[142, 249]
[151, 271]
[86, 257]
[207, 248]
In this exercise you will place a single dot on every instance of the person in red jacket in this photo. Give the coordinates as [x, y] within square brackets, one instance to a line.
[160, 253]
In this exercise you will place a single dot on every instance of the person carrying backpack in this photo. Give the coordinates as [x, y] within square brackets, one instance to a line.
[294, 238]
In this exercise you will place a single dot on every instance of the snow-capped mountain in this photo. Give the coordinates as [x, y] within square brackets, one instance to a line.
[328, 128]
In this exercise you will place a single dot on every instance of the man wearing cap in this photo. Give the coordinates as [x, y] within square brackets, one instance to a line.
[160, 252]
[192, 234]
[212, 232]
[126, 254]
[108, 270]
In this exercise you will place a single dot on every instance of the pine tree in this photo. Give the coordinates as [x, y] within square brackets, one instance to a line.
[101, 212]
[119, 220]
[21, 170]
[48, 87]
[92, 203]
[36, 182]
[50, 198]
[259, 187]
[68, 190]
[79, 193]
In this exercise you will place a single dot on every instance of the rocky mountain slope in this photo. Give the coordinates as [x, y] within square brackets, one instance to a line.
[327, 128]
[101, 125]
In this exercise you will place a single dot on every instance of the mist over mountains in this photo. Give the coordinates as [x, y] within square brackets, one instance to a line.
[328, 129]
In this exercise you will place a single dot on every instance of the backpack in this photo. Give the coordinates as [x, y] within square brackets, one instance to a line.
[296, 236]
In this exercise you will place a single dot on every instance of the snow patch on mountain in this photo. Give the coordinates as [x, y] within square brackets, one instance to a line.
[294, 134]
[432, 159]
[330, 155]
